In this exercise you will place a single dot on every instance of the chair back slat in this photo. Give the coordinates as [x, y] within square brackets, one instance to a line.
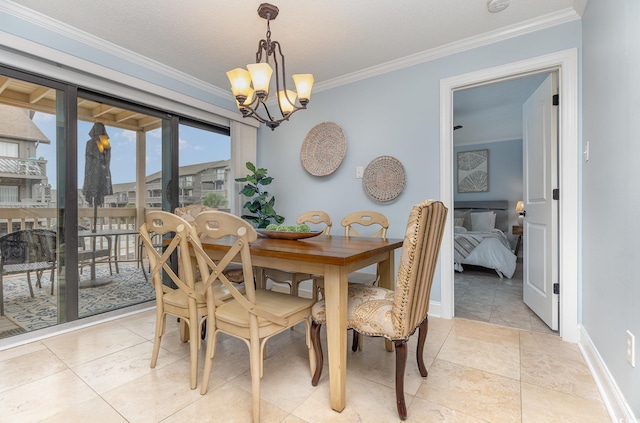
[216, 225]
[28, 246]
[162, 223]
[365, 218]
[316, 217]
[419, 259]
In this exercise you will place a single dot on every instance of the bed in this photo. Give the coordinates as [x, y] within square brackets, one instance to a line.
[480, 236]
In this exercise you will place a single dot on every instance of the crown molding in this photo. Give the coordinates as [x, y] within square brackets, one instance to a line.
[83, 37]
[526, 27]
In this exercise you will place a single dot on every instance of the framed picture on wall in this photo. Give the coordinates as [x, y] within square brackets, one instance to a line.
[473, 171]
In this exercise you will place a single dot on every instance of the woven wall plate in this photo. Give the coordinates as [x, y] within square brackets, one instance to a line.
[323, 149]
[384, 178]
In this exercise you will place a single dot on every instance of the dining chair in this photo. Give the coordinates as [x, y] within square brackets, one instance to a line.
[316, 218]
[364, 219]
[255, 316]
[396, 314]
[351, 223]
[183, 301]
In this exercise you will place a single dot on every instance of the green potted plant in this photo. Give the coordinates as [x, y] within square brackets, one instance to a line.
[259, 203]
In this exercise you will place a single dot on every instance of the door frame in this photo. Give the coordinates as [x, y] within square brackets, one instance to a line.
[566, 63]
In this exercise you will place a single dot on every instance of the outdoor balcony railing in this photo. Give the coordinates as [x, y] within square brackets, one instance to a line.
[13, 219]
[32, 168]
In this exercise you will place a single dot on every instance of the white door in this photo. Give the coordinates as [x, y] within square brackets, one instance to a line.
[540, 253]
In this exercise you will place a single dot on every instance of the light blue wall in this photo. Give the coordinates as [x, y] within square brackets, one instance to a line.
[393, 114]
[611, 192]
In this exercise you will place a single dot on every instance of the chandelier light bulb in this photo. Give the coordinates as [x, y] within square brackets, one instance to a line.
[304, 83]
[285, 105]
[261, 77]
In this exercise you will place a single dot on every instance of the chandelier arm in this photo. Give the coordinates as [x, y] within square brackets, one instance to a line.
[262, 46]
[275, 44]
[284, 83]
[266, 109]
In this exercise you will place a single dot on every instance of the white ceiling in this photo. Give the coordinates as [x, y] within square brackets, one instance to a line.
[333, 39]
[492, 113]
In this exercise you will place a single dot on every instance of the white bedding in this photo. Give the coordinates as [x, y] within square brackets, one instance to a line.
[492, 252]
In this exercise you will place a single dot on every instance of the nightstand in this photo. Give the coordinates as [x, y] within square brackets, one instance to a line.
[517, 230]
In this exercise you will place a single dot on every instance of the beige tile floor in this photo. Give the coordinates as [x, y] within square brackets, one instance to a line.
[480, 294]
[478, 372]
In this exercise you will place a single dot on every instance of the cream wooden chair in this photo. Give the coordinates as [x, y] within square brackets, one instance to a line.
[396, 314]
[293, 279]
[181, 302]
[365, 218]
[351, 223]
[253, 317]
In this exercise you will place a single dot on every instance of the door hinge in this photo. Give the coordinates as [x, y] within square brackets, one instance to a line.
[556, 99]
[556, 288]
[556, 194]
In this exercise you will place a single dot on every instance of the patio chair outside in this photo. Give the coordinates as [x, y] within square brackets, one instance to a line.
[26, 251]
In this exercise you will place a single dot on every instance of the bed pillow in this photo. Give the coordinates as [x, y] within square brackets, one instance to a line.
[458, 221]
[459, 229]
[465, 216]
[483, 221]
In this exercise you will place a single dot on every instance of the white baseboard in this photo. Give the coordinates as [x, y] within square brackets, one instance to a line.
[435, 309]
[613, 399]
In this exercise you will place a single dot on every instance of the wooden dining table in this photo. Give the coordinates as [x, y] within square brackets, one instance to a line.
[332, 257]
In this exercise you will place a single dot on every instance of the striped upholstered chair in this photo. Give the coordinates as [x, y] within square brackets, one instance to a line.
[395, 315]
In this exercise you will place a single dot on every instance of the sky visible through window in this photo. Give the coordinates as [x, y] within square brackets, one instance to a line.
[196, 146]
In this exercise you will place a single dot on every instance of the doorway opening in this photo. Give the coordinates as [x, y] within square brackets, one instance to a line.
[488, 282]
[565, 62]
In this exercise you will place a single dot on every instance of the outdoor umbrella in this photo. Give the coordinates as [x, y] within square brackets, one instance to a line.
[97, 175]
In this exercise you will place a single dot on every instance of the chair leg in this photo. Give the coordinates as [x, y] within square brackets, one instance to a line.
[1, 296]
[254, 359]
[422, 336]
[160, 323]
[38, 278]
[29, 282]
[208, 361]
[355, 343]
[53, 271]
[194, 344]
[203, 329]
[315, 341]
[401, 363]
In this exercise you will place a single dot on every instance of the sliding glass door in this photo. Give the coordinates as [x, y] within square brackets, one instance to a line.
[32, 131]
[78, 171]
[112, 189]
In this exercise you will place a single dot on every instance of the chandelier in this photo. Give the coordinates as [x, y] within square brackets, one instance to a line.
[249, 98]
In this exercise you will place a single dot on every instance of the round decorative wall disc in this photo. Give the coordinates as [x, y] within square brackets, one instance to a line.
[384, 178]
[323, 149]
